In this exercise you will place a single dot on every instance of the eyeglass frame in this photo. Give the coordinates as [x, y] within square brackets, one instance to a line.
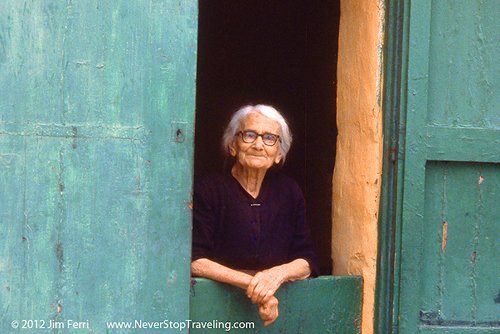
[257, 135]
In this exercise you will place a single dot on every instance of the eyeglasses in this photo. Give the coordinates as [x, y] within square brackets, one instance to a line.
[249, 137]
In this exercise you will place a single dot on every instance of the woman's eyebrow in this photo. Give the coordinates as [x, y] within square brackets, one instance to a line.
[263, 133]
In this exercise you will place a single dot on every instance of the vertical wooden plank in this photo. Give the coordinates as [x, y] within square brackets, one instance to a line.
[45, 218]
[487, 266]
[12, 172]
[31, 60]
[171, 113]
[114, 37]
[435, 217]
[457, 270]
[412, 232]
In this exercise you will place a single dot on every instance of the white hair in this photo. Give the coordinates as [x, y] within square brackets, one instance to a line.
[234, 125]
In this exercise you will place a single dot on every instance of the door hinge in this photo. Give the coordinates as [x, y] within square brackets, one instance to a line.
[393, 154]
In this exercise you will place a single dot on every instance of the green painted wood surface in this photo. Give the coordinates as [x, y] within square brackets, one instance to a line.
[460, 252]
[327, 304]
[387, 257]
[96, 145]
[450, 222]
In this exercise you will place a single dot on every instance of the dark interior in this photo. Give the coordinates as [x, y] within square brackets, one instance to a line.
[282, 53]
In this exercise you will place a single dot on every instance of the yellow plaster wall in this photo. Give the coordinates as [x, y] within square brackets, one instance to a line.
[358, 166]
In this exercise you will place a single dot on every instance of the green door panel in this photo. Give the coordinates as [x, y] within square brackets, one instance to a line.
[327, 304]
[96, 146]
[450, 220]
[461, 273]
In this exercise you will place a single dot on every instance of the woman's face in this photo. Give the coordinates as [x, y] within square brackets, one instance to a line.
[256, 155]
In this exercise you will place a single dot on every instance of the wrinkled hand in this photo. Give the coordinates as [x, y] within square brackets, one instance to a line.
[269, 311]
[264, 285]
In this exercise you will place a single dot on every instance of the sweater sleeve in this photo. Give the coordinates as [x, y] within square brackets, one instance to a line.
[204, 220]
[302, 246]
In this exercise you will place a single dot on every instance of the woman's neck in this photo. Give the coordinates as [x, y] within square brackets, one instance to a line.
[250, 179]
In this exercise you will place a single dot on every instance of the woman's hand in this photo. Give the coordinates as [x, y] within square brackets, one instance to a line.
[261, 287]
[269, 311]
[264, 284]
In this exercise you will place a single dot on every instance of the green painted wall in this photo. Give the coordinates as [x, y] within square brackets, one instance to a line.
[450, 128]
[96, 145]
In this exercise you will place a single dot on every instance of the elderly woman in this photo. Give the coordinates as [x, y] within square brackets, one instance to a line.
[249, 225]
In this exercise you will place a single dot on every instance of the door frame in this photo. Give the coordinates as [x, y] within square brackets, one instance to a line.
[394, 122]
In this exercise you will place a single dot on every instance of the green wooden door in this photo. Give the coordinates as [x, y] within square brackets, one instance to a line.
[96, 134]
[450, 231]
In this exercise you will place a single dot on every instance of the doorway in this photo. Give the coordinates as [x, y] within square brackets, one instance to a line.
[282, 53]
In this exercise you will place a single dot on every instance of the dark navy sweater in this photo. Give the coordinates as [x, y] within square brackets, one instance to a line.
[234, 229]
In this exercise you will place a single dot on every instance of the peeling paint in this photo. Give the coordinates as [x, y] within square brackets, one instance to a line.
[172, 277]
[444, 237]
[82, 63]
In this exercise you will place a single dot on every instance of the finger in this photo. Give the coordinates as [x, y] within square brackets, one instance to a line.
[272, 317]
[270, 281]
[258, 294]
[270, 321]
[264, 297]
[267, 297]
[251, 286]
[264, 313]
[256, 287]
[262, 294]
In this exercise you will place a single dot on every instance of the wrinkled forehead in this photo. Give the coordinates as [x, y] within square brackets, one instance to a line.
[260, 123]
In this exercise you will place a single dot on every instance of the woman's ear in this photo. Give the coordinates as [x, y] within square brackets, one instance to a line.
[232, 150]
[278, 158]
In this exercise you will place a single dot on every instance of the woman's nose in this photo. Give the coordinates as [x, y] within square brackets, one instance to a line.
[258, 143]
